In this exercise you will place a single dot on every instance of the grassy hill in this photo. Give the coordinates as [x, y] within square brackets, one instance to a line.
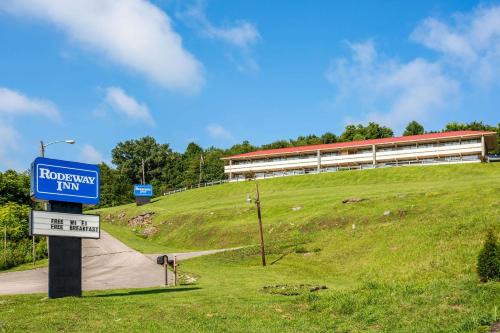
[401, 260]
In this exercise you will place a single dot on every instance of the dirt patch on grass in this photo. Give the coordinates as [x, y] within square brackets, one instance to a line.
[324, 223]
[142, 220]
[292, 290]
[150, 231]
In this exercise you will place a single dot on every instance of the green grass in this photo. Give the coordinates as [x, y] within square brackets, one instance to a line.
[29, 265]
[410, 271]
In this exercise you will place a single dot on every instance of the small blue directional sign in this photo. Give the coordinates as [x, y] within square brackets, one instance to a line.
[143, 190]
[65, 181]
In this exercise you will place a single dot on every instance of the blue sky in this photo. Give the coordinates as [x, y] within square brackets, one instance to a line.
[219, 72]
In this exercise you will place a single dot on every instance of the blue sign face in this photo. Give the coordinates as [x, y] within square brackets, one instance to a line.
[143, 190]
[65, 181]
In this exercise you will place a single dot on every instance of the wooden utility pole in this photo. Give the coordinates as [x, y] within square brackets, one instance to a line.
[202, 162]
[262, 250]
[143, 173]
[175, 271]
[5, 243]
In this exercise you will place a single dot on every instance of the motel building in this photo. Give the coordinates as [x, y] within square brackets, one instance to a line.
[425, 149]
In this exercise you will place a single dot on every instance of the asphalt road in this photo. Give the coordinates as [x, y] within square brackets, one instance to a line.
[107, 264]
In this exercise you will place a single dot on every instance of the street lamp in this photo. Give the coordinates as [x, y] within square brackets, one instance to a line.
[43, 145]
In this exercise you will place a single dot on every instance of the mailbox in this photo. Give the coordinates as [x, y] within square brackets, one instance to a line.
[160, 260]
[164, 260]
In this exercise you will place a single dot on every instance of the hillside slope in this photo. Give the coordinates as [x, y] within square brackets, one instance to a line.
[407, 266]
[310, 207]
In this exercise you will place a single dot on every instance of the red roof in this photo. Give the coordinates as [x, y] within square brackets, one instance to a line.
[327, 146]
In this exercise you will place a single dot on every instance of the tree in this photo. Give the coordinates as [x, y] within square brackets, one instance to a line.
[413, 128]
[277, 144]
[329, 138]
[116, 189]
[375, 131]
[472, 126]
[240, 148]
[360, 132]
[14, 219]
[128, 157]
[14, 187]
[213, 168]
[488, 262]
[307, 140]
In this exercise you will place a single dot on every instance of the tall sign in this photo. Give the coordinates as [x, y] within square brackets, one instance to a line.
[66, 185]
[143, 193]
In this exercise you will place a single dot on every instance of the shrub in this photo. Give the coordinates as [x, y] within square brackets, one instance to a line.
[488, 262]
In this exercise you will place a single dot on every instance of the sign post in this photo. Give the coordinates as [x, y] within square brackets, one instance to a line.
[143, 193]
[66, 186]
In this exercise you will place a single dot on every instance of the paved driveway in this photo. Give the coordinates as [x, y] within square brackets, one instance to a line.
[107, 264]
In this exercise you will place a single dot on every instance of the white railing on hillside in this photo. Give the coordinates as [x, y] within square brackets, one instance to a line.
[192, 187]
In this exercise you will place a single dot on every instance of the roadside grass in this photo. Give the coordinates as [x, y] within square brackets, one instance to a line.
[27, 266]
[408, 265]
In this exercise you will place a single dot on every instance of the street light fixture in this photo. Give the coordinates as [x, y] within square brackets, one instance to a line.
[43, 145]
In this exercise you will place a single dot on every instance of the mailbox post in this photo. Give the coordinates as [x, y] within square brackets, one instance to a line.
[165, 262]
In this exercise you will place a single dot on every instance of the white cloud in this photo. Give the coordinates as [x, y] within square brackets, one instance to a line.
[392, 92]
[15, 103]
[218, 132]
[122, 103]
[240, 34]
[132, 33]
[89, 154]
[471, 42]
[10, 139]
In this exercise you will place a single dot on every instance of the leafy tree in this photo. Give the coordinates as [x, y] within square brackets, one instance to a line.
[360, 132]
[277, 144]
[14, 220]
[116, 189]
[307, 140]
[488, 262]
[193, 160]
[128, 157]
[472, 126]
[375, 131]
[241, 148]
[14, 225]
[14, 187]
[213, 169]
[329, 138]
[349, 132]
[413, 128]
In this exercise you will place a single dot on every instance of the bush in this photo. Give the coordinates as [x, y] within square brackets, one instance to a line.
[488, 262]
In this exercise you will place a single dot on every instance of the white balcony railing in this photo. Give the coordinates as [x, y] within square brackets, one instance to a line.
[294, 163]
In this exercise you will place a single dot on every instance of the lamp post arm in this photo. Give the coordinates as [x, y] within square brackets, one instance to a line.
[51, 143]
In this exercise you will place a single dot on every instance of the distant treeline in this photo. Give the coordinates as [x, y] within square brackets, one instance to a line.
[166, 169]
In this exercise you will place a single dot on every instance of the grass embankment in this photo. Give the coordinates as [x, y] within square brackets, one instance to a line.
[409, 270]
